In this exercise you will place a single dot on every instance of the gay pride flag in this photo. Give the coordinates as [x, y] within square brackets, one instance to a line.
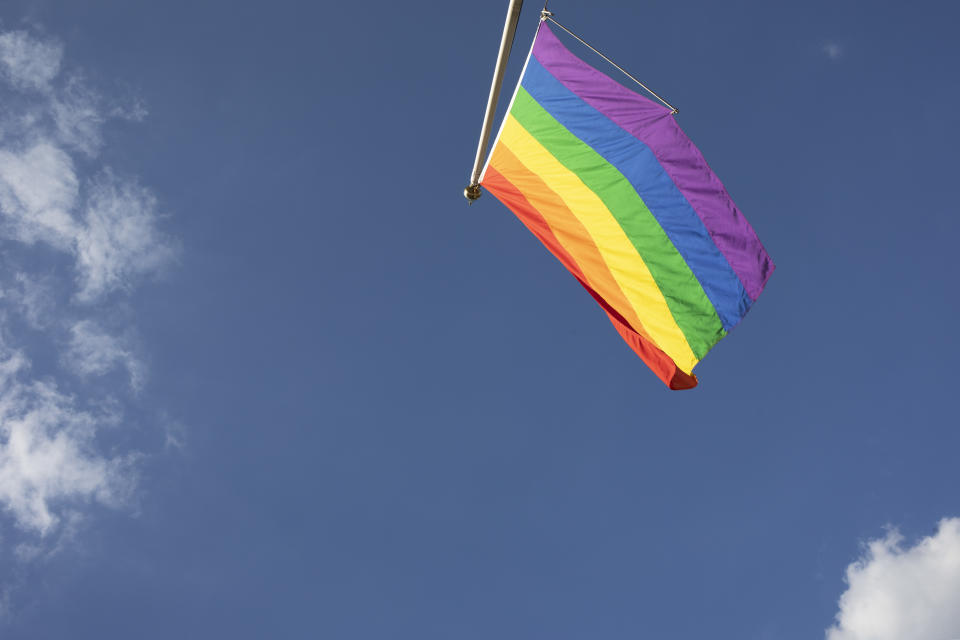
[608, 181]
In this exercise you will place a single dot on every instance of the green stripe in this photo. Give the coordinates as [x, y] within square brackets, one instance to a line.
[686, 299]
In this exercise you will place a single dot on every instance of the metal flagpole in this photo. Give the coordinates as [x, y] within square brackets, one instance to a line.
[472, 192]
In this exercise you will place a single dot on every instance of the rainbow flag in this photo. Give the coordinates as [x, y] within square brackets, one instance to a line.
[608, 181]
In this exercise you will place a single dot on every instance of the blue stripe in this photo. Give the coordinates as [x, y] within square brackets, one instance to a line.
[638, 164]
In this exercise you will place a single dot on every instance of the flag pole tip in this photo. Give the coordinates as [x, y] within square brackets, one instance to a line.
[472, 192]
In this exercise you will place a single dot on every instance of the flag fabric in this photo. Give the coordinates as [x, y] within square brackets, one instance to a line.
[608, 181]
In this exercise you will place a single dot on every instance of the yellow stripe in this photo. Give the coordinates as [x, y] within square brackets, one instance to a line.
[626, 265]
[569, 233]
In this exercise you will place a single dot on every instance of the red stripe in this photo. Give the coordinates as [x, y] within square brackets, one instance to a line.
[659, 362]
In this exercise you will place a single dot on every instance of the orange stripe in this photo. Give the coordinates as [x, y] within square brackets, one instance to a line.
[568, 230]
[659, 362]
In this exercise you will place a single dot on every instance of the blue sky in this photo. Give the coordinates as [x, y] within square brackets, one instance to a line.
[265, 374]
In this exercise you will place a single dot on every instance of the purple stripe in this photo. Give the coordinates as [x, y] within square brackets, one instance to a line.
[653, 125]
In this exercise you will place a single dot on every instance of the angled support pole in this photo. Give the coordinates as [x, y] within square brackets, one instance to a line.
[473, 191]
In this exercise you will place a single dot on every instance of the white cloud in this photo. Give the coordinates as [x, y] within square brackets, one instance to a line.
[832, 50]
[94, 352]
[38, 189]
[74, 238]
[120, 241]
[117, 241]
[33, 297]
[112, 232]
[903, 593]
[27, 62]
[175, 432]
[78, 116]
[135, 111]
[48, 462]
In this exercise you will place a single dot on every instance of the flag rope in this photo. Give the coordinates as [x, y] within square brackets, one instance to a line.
[547, 15]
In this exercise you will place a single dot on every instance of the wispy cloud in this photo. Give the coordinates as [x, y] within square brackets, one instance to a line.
[38, 190]
[76, 237]
[28, 62]
[833, 50]
[33, 297]
[93, 351]
[77, 113]
[48, 462]
[119, 241]
[897, 592]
